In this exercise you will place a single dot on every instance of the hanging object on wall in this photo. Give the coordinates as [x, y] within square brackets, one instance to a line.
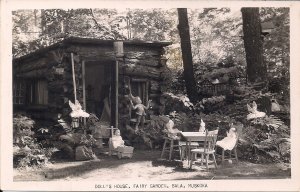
[119, 48]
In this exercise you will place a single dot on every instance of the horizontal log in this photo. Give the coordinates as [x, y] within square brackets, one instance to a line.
[32, 65]
[142, 71]
[56, 55]
[141, 52]
[139, 80]
[37, 73]
[154, 95]
[56, 84]
[154, 62]
[93, 52]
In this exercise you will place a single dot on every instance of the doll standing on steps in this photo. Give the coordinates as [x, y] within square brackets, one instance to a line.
[140, 111]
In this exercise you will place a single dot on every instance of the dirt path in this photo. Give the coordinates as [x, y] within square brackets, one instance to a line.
[143, 167]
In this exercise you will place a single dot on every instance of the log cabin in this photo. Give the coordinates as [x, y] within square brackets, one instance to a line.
[95, 72]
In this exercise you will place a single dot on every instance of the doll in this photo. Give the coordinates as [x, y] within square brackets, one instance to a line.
[140, 111]
[77, 110]
[171, 131]
[253, 112]
[202, 126]
[115, 142]
[229, 141]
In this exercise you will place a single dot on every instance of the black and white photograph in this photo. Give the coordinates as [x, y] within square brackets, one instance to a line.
[138, 98]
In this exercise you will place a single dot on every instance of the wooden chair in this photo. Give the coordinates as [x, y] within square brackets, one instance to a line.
[183, 148]
[169, 146]
[206, 152]
[230, 152]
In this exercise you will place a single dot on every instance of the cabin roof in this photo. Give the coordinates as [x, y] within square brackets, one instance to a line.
[91, 41]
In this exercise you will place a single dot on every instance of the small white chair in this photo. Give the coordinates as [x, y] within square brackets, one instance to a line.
[206, 152]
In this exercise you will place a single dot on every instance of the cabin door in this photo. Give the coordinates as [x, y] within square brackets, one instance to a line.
[98, 85]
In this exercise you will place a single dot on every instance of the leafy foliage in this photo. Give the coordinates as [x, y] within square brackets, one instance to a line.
[216, 35]
[27, 151]
[266, 140]
[277, 50]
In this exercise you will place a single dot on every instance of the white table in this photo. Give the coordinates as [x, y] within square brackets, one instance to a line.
[192, 137]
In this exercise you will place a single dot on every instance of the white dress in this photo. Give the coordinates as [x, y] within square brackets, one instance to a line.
[228, 142]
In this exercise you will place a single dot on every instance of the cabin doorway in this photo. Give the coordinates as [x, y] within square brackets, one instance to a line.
[98, 81]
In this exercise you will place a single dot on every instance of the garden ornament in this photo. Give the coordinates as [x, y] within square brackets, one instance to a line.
[253, 112]
[229, 141]
[117, 140]
[117, 146]
[77, 110]
[202, 126]
[171, 131]
[275, 105]
[140, 111]
[215, 81]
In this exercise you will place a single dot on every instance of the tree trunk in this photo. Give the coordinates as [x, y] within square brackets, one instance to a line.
[184, 34]
[43, 21]
[256, 68]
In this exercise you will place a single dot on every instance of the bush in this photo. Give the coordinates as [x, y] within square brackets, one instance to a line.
[266, 140]
[27, 151]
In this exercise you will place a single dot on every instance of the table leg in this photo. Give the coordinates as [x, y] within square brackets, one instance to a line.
[189, 151]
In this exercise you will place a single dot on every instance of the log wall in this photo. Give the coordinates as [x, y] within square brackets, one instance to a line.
[55, 66]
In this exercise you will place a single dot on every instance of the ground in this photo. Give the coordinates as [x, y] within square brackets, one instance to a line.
[145, 165]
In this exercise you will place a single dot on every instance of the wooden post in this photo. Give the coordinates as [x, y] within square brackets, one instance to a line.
[83, 89]
[114, 95]
[119, 53]
[73, 75]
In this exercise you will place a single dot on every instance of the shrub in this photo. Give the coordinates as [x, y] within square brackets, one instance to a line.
[27, 151]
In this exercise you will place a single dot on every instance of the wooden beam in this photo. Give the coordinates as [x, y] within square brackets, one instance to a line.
[83, 89]
[73, 75]
[119, 54]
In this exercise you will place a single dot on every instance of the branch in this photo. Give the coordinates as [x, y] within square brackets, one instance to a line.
[96, 22]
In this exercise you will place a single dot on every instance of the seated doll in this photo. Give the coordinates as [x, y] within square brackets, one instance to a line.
[254, 113]
[171, 131]
[115, 141]
[117, 146]
[229, 142]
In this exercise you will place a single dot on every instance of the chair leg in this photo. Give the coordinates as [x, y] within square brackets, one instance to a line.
[202, 158]
[171, 149]
[206, 157]
[191, 162]
[215, 162]
[183, 152]
[180, 153]
[223, 155]
[164, 148]
[235, 154]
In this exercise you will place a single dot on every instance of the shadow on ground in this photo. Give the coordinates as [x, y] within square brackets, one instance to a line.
[103, 161]
[147, 165]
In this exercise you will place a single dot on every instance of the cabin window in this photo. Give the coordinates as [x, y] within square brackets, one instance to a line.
[18, 92]
[140, 88]
[38, 92]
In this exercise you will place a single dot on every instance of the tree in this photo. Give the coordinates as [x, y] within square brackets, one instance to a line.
[151, 24]
[216, 35]
[184, 33]
[253, 42]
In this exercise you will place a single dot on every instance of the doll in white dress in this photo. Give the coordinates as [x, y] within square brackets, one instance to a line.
[229, 142]
[254, 113]
[115, 142]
